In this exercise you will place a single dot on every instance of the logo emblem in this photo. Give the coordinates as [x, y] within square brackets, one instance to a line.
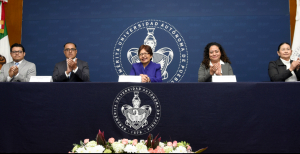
[144, 114]
[153, 32]
[296, 53]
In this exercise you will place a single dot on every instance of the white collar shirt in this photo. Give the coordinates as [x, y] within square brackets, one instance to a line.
[292, 78]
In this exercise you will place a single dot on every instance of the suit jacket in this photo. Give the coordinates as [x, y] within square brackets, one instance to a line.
[82, 74]
[278, 72]
[152, 70]
[204, 74]
[26, 70]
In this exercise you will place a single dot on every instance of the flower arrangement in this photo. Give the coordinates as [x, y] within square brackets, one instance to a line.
[132, 146]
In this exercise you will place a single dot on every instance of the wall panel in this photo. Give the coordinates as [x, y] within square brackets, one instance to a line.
[13, 15]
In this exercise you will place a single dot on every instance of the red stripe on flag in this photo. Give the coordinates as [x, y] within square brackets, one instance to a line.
[2, 15]
[3, 1]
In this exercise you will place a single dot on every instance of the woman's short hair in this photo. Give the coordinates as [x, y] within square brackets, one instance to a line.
[282, 44]
[147, 48]
[206, 59]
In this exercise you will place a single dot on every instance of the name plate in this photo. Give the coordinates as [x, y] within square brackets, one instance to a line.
[41, 79]
[130, 78]
[224, 78]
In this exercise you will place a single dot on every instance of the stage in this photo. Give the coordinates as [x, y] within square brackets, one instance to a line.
[225, 117]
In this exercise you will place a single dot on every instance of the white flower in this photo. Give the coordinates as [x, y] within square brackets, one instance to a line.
[162, 145]
[89, 150]
[142, 141]
[180, 149]
[141, 147]
[98, 149]
[130, 149]
[81, 150]
[91, 144]
[168, 149]
[143, 151]
[118, 147]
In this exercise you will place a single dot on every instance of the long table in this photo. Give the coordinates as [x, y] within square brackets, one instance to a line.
[225, 117]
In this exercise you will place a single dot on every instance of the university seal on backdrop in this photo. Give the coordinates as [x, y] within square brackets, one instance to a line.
[296, 53]
[136, 110]
[165, 55]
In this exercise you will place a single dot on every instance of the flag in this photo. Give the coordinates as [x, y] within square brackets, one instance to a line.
[4, 42]
[296, 40]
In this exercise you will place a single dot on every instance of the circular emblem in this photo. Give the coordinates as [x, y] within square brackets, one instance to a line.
[168, 46]
[136, 110]
[296, 53]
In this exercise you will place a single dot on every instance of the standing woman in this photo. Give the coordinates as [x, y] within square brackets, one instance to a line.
[215, 62]
[149, 71]
[284, 69]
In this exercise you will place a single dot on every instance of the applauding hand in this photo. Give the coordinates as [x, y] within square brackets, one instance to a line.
[145, 78]
[72, 64]
[215, 69]
[13, 71]
[295, 65]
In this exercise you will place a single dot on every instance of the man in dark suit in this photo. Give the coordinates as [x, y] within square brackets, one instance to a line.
[71, 69]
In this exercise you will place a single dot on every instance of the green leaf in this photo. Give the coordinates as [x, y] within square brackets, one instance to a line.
[156, 142]
[153, 145]
[149, 141]
[101, 139]
[201, 150]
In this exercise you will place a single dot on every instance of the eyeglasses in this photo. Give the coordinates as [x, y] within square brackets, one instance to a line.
[14, 52]
[72, 49]
[142, 54]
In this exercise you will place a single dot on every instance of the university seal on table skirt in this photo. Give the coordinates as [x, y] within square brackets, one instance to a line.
[136, 110]
[168, 46]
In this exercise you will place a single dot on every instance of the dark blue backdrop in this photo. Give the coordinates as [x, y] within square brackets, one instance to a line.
[249, 30]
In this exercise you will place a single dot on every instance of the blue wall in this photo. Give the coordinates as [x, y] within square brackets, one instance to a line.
[249, 31]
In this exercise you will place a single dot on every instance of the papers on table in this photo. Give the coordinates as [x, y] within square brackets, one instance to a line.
[130, 78]
[41, 79]
[224, 78]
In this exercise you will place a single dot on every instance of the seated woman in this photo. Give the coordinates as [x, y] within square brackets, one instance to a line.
[215, 62]
[284, 69]
[149, 71]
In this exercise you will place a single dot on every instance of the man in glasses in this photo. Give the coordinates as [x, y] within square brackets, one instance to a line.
[71, 69]
[19, 70]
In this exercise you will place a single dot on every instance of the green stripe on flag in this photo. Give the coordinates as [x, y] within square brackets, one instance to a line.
[5, 32]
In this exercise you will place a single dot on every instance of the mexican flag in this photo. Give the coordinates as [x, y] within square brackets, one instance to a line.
[296, 40]
[4, 42]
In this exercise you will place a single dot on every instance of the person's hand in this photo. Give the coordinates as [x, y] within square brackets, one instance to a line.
[213, 69]
[72, 64]
[145, 78]
[11, 71]
[295, 64]
[218, 71]
[69, 69]
[16, 70]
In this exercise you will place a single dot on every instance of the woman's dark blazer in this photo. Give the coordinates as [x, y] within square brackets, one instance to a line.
[279, 73]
